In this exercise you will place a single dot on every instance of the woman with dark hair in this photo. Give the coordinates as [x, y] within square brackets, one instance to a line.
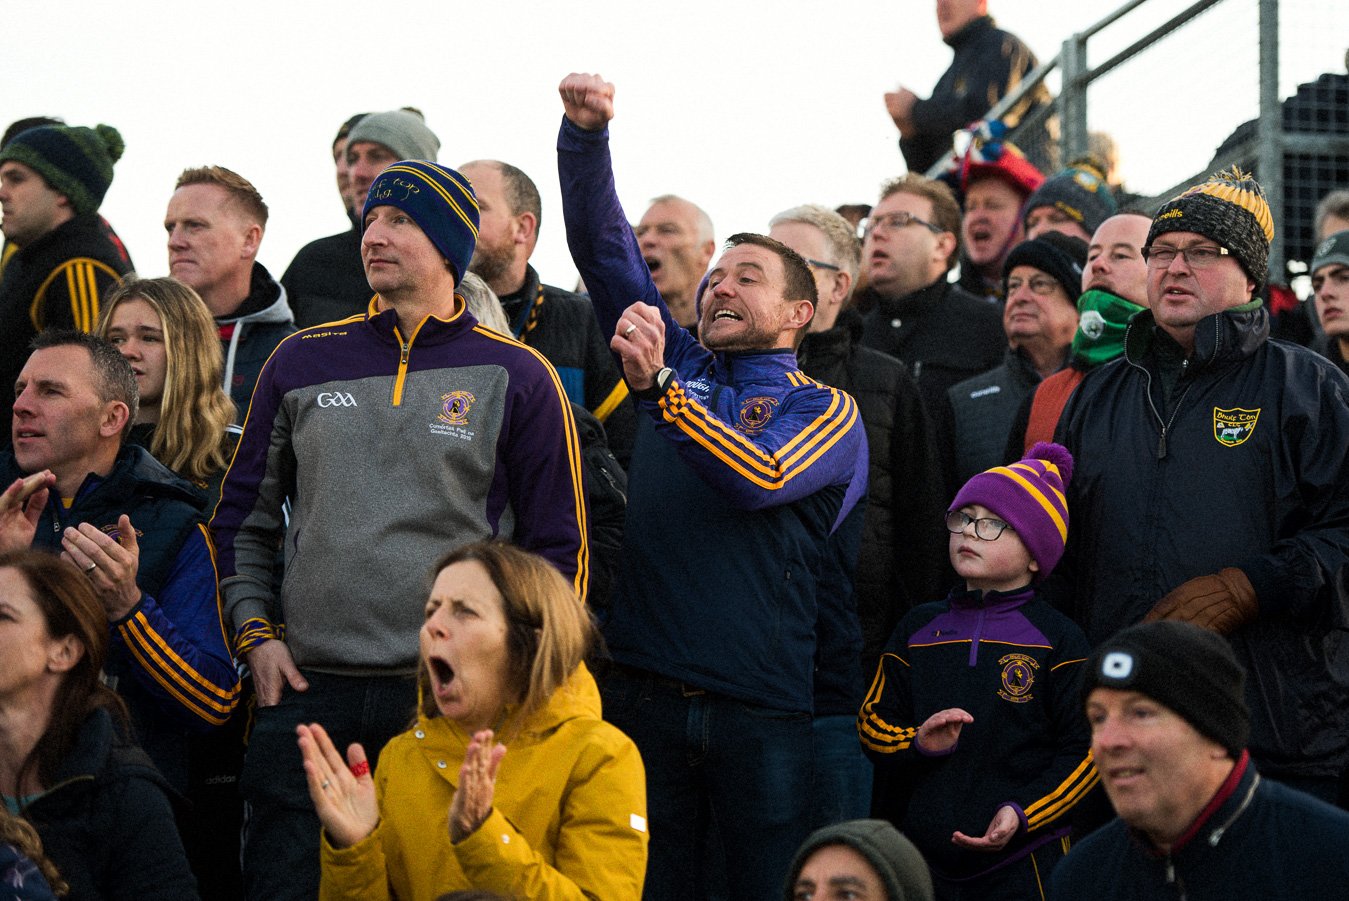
[66, 763]
[562, 814]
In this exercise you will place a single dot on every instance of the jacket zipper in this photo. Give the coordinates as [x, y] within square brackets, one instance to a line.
[978, 635]
[1165, 425]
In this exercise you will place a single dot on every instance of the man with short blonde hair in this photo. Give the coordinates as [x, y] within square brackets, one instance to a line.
[215, 223]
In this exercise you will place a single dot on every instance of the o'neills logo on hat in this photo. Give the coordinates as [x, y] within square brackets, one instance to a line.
[1117, 665]
[1171, 214]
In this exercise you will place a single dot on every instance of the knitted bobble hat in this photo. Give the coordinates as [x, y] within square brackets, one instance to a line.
[1029, 497]
[1080, 191]
[1230, 209]
[74, 160]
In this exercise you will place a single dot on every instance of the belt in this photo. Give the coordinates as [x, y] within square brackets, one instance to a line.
[685, 690]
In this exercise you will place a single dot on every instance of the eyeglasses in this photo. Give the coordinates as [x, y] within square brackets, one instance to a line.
[1042, 285]
[1196, 257]
[820, 264]
[984, 529]
[896, 220]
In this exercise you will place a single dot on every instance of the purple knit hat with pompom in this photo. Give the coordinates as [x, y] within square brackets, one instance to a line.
[1028, 495]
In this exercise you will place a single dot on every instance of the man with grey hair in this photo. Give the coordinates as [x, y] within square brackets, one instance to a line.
[555, 322]
[899, 564]
[676, 240]
[326, 281]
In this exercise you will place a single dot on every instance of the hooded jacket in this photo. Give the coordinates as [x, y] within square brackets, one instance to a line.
[107, 823]
[250, 334]
[568, 816]
[1238, 456]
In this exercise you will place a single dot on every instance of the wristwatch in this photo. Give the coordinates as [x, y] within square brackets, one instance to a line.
[658, 387]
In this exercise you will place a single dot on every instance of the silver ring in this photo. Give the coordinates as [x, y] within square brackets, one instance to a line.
[90, 568]
[323, 786]
[629, 330]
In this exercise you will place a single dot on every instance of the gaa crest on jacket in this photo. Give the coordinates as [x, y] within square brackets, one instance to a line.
[1018, 677]
[755, 413]
[1234, 426]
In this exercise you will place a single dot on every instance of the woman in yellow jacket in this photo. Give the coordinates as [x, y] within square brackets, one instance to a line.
[560, 815]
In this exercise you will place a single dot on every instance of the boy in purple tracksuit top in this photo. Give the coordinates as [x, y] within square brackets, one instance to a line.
[979, 695]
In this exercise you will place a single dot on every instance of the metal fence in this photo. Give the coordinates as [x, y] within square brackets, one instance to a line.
[1182, 89]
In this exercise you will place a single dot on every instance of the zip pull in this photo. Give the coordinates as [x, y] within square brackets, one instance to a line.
[1170, 871]
[1161, 445]
[403, 361]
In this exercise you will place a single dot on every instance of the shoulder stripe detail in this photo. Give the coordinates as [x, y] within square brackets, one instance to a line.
[194, 691]
[1067, 793]
[768, 471]
[80, 275]
[873, 731]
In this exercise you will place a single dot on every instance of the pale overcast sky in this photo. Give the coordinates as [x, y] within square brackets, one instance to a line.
[744, 107]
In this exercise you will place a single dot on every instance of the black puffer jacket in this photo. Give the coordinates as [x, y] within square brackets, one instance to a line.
[903, 556]
[107, 823]
[943, 333]
[1251, 470]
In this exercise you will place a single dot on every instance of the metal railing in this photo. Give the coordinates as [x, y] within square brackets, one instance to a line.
[1270, 148]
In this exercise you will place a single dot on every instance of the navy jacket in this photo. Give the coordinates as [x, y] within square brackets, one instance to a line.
[107, 823]
[1016, 666]
[1255, 839]
[740, 472]
[1244, 463]
[168, 657]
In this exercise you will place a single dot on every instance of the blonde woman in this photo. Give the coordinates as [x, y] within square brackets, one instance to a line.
[164, 329]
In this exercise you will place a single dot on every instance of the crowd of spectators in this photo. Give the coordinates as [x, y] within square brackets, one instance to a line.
[881, 557]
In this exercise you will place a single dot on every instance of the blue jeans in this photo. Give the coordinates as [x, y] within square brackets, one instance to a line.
[281, 830]
[709, 757]
[841, 789]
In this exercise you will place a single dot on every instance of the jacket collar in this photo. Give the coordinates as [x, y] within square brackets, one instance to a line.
[922, 301]
[748, 367]
[973, 598]
[383, 321]
[970, 32]
[1227, 805]
[1221, 338]
[266, 300]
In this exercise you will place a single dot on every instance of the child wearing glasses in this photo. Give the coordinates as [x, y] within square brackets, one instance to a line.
[977, 701]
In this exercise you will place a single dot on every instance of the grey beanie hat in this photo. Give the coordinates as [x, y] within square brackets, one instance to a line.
[399, 130]
[901, 867]
[1334, 249]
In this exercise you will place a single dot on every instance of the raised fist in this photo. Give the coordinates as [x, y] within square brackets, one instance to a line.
[588, 100]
